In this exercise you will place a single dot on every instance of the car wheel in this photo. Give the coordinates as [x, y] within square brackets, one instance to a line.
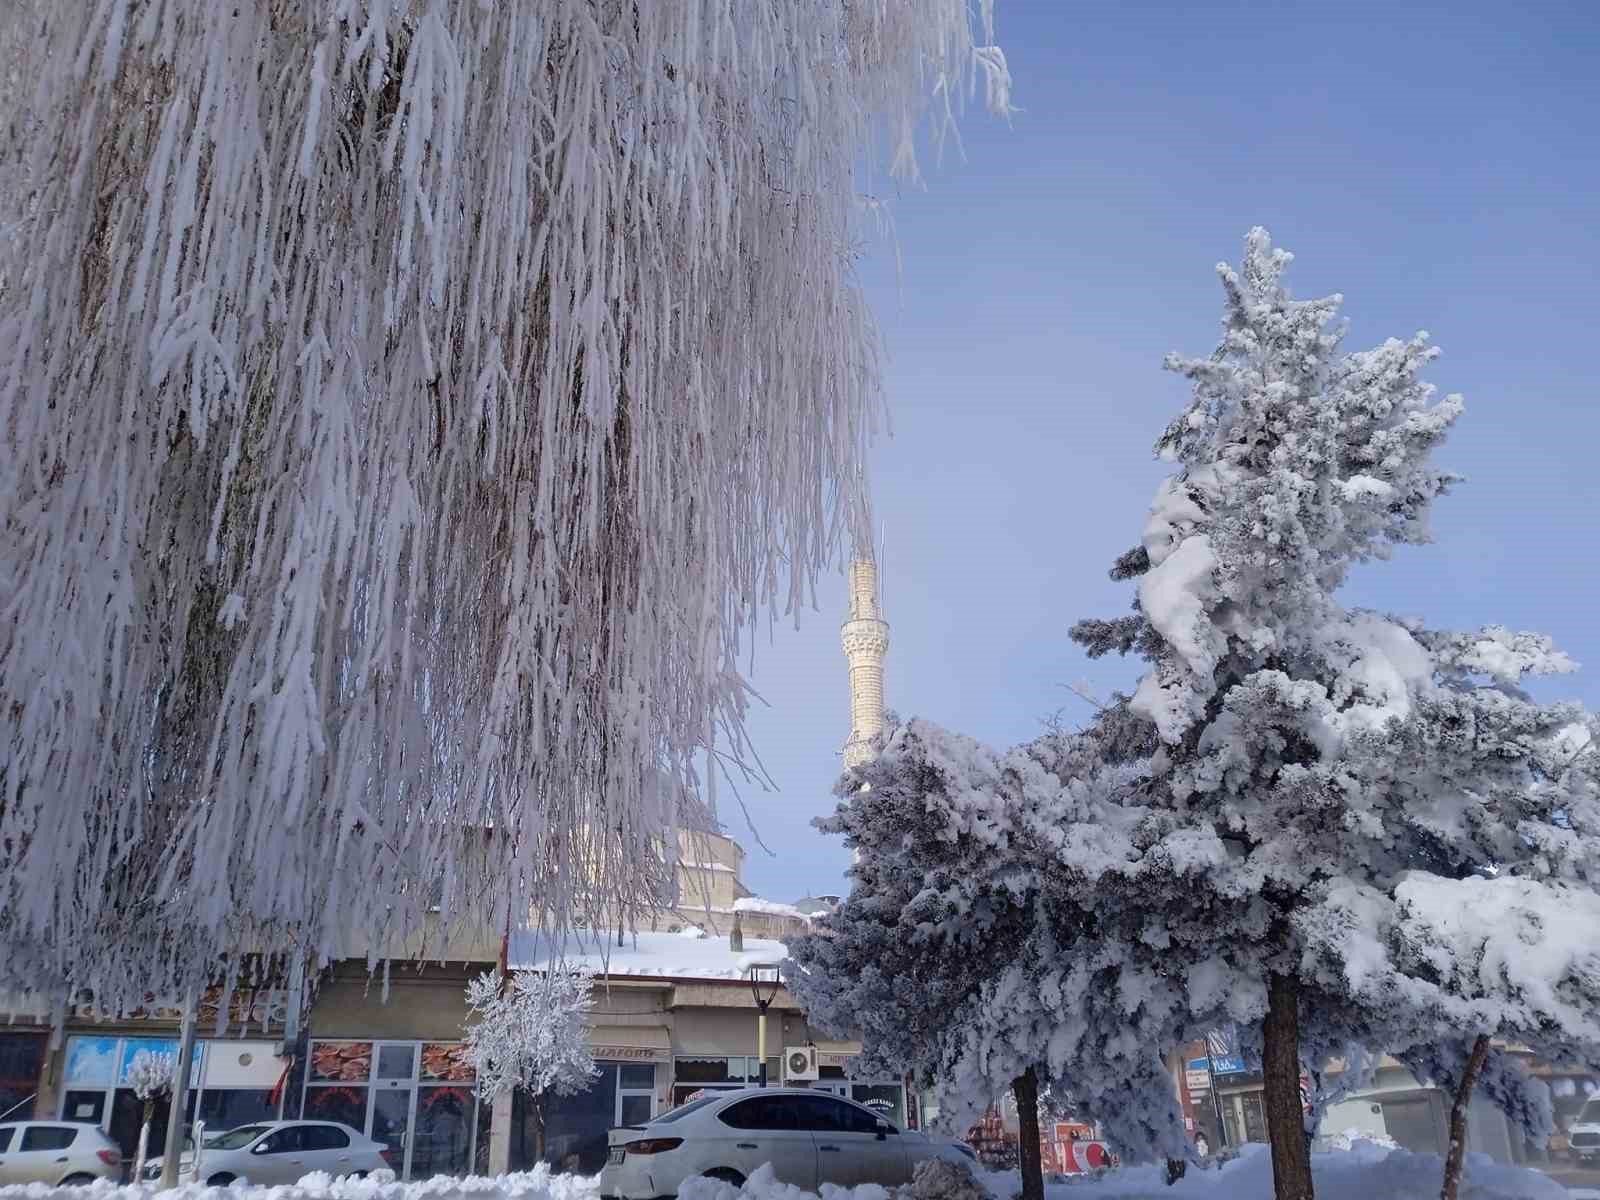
[81, 1179]
[727, 1175]
[221, 1179]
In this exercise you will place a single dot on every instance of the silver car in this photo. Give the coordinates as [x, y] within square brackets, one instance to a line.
[809, 1137]
[57, 1153]
[272, 1152]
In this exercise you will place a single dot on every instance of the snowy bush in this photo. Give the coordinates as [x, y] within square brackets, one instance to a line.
[449, 390]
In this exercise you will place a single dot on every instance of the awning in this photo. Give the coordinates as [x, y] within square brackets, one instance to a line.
[630, 1043]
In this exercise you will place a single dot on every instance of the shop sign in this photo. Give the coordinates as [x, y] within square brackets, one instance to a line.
[629, 1053]
[1223, 1046]
[263, 1010]
[835, 1060]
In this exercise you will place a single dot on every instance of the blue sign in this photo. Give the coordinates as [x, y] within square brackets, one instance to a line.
[1223, 1047]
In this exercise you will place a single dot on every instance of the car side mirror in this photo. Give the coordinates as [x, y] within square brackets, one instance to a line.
[259, 1148]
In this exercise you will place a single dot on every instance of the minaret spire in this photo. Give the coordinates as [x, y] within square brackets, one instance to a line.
[865, 635]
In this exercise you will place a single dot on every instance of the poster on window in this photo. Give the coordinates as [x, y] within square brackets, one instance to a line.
[446, 1061]
[343, 1062]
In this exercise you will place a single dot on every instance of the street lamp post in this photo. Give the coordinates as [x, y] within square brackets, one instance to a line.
[765, 979]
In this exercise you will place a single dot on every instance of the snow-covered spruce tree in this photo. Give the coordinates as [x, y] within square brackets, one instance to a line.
[1340, 768]
[529, 1034]
[1009, 916]
[407, 408]
[149, 1076]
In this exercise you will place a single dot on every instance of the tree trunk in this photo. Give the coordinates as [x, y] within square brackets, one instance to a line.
[1176, 1167]
[1280, 1069]
[1025, 1088]
[1458, 1117]
[538, 1129]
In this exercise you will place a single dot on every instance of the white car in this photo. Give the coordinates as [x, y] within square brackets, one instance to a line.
[809, 1137]
[1583, 1139]
[272, 1152]
[57, 1153]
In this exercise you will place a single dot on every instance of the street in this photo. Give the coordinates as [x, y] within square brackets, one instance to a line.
[1575, 1178]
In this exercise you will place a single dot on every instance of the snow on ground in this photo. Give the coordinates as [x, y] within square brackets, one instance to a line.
[537, 1184]
[670, 955]
[1365, 1172]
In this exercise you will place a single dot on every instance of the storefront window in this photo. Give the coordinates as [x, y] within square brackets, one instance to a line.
[416, 1098]
[441, 1144]
[575, 1127]
[346, 1105]
[21, 1064]
[888, 1100]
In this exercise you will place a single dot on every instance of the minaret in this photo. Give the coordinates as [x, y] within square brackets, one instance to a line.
[866, 640]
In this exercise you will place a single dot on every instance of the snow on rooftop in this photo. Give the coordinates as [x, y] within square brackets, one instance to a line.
[755, 904]
[648, 955]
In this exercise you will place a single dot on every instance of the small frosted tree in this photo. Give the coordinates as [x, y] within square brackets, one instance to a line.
[1346, 777]
[529, 1034]
[150, 1077]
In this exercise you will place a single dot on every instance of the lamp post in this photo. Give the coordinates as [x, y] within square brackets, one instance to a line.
[765, 979]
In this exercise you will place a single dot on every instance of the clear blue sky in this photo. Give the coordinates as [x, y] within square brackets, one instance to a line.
[1439, 164]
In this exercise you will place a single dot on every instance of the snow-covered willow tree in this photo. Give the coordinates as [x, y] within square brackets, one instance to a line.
[405, 407]
[1350, 778]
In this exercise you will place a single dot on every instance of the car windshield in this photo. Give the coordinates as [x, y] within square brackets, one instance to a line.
[1591, 1112]
[683, 1110]
[236, 1139]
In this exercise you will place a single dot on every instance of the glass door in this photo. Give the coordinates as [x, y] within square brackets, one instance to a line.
[393, 1096]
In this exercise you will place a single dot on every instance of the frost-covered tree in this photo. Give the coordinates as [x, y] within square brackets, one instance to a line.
[149, 1076]
[407, 409]
[1348, 777]
[529, 1034]
[1011, 922]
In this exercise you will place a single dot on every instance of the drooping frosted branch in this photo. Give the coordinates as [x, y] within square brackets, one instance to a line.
[407, 406]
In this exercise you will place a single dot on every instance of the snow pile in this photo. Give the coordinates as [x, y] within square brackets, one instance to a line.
[537, 1184]
[935, 1179]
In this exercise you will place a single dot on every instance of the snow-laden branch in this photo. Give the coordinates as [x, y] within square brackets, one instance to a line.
[408, 408]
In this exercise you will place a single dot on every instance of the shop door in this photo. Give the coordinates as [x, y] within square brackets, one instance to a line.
[394, 1090]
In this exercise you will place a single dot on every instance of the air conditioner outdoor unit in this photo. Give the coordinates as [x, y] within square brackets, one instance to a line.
[799, 1063]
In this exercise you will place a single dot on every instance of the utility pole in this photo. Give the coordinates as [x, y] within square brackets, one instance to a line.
[180, 1096]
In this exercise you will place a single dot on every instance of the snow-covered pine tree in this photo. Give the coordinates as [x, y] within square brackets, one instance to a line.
[1009, 914]
[408, 407]
[1340, 769]
[529, 1034]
